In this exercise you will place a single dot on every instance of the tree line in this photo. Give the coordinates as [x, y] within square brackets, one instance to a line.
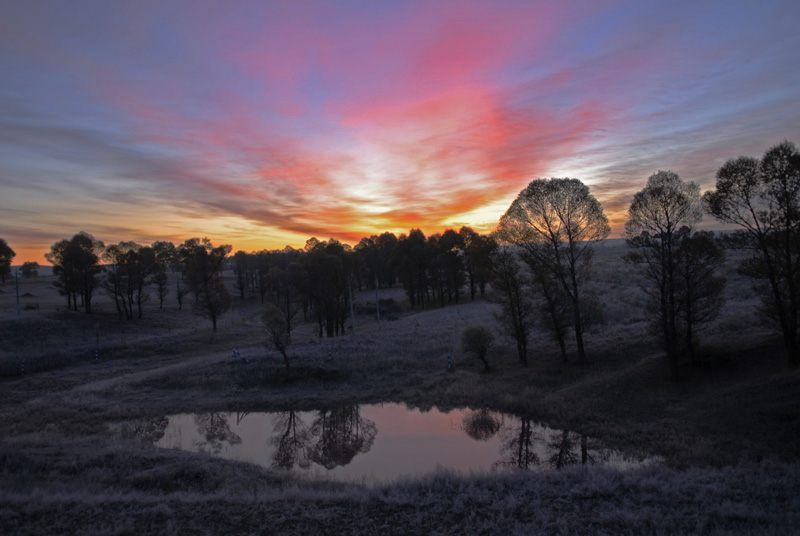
[538, 261]
[554, 224]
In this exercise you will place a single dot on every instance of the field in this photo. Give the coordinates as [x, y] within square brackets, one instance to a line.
[71, 384]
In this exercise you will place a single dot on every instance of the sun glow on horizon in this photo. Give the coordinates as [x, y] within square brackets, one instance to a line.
[265, 124]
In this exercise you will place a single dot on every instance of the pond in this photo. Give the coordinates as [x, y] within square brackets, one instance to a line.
[380, 443]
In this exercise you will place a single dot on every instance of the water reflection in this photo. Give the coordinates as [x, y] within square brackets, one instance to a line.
[339, 435]
[150, 430]
[344, 441]
[216, 432]
[292, 442]
[517, 447]
[482, 424]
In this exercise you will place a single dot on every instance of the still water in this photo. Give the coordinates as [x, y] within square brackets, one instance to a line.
[380, 443]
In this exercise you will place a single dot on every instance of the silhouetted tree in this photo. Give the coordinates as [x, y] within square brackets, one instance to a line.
[203, 266]
[478, 251]
[241, 268]
[562, 216]
[477, 340]
[330, 268]
[76, 262]
[129, 267]
[30, 270]
[181, 291]
[412, 258]
[553, 307]
[762, 197]
[277, 334]
[660, 215]
[701, 290]
[284, 292]
[166, 253]
[514, 294]
[377, 251]
[6, 256]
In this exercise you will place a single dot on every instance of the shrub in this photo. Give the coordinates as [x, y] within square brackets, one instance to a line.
[477, 340]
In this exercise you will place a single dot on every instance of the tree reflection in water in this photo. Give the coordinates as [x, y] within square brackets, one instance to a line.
[215, 430]
[151, 430]
[340, 434]
[292, 442]
[517, 446]
[481, 424]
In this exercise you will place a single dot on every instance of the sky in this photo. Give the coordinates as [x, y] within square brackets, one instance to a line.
[260, 124]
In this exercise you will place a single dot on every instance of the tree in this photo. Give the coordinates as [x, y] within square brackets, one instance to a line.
[515, 312]
[701, 291]
[762, 198]
[553, 307]
[558, 221]
[657, 213]
[166, 255]
[412, 257]
[330, 269]
[478, 251]
[76, 262]
[284, 293]
[129, 268]
[203, 271]
[30, 269]
[241, 269]
[6, 256]
[477, 340]
[277, 334]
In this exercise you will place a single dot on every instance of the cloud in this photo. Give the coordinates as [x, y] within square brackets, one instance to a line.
[288, 119]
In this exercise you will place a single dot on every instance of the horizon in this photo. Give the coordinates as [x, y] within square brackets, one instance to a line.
[265, 124]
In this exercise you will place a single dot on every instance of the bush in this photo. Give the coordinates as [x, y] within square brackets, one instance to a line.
[477, 340]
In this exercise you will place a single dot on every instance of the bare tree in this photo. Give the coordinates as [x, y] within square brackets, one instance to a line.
[701, 290]
[515, 313]
[662, 208]
[277, 335]
[762, 198]
[553, 307]
[477, 340]
[558, 221]
[284, 292]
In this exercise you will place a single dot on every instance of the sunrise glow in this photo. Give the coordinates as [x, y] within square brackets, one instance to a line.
[261, 124]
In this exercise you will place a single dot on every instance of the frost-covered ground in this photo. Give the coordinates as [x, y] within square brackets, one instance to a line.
[727, 433]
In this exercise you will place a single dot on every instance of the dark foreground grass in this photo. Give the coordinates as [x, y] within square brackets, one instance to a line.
[727, 433]
[189, 495]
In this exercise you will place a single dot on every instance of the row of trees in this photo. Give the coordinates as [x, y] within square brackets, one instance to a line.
[317, 280]
[553, 225]
[125, 270]
[540, 269]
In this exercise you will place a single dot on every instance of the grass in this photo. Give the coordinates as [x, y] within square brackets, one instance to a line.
[727, 433]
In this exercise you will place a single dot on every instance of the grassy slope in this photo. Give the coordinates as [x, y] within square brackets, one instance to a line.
[727, 432]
